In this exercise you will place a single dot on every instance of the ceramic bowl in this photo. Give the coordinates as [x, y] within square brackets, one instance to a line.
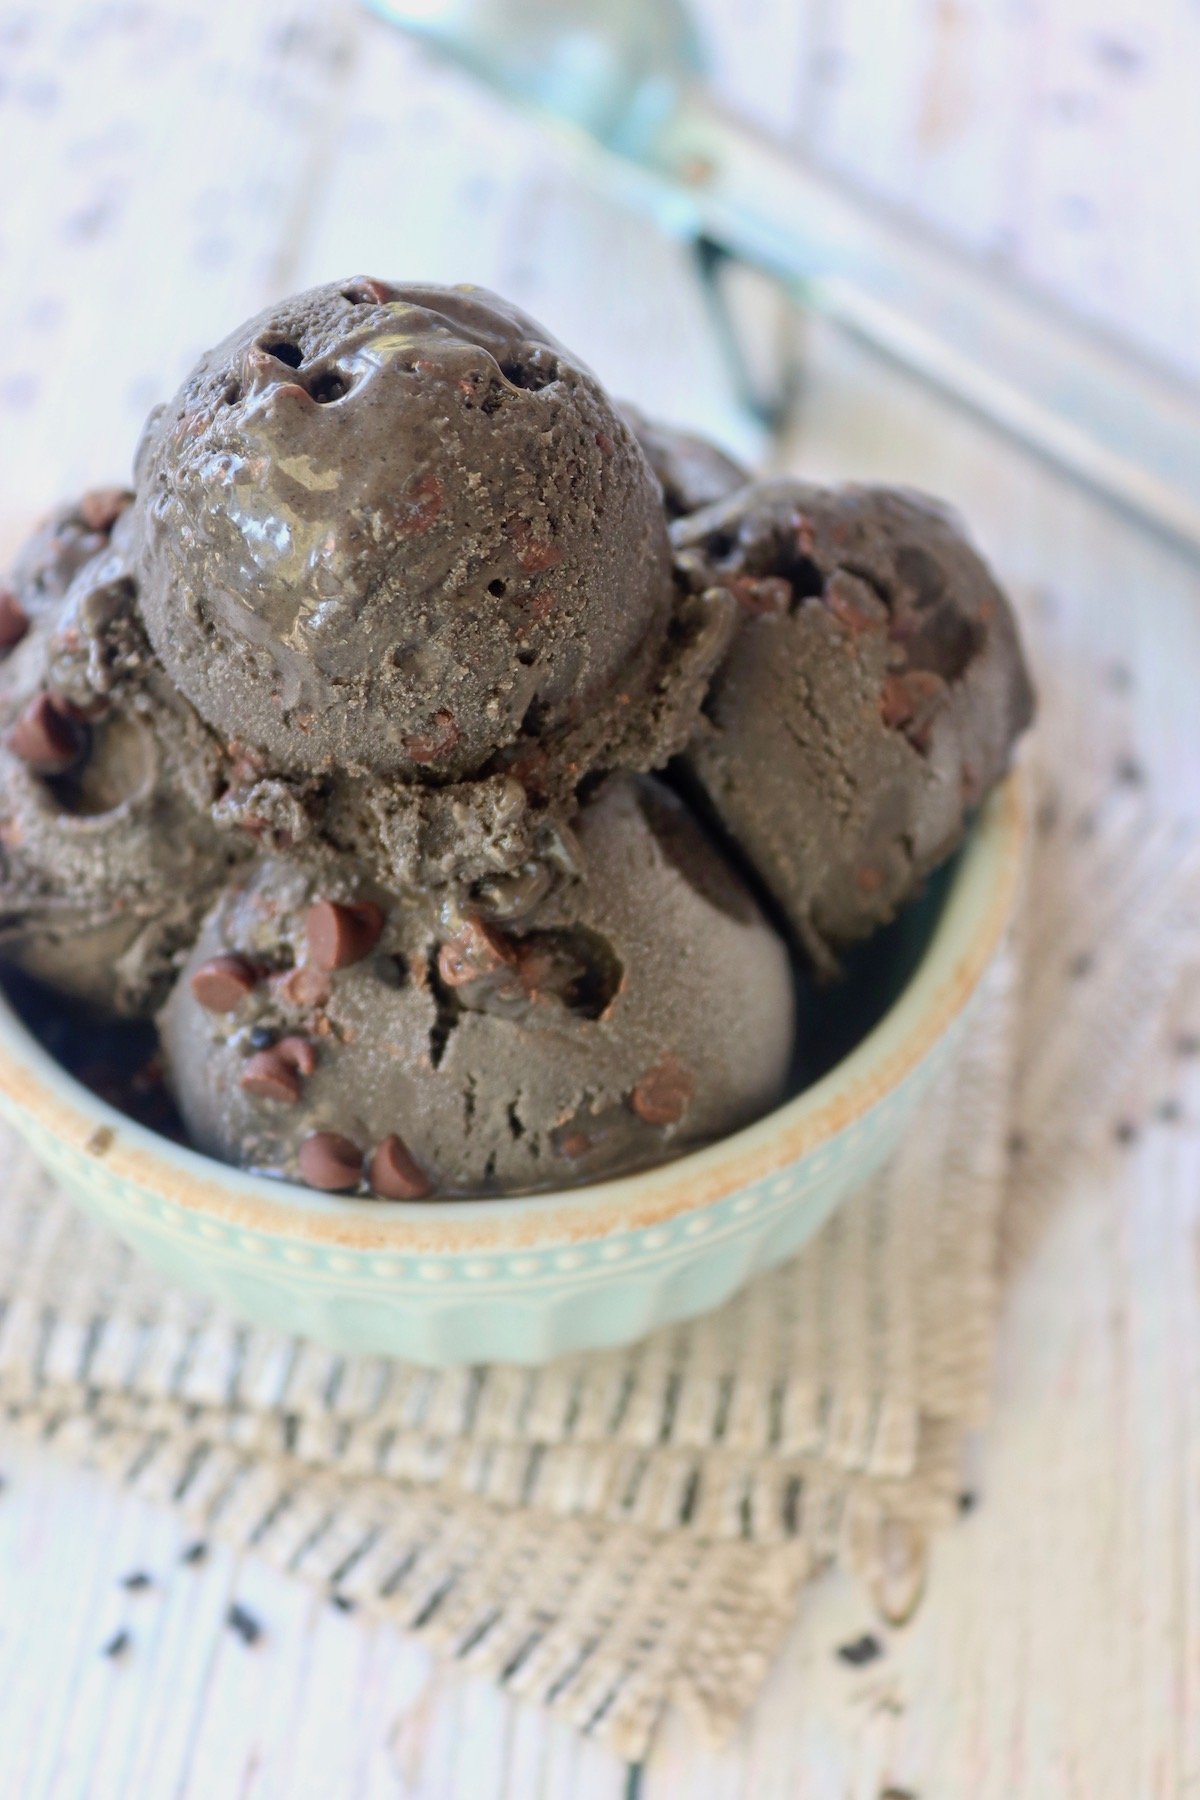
[523, 1280]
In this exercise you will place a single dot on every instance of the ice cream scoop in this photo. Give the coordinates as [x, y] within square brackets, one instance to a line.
[394, 530]
[872, 696]
[691, 471]
[326, 1030]
[108, 855]
[52, 556]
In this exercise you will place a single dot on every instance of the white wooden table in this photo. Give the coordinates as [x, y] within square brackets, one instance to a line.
[167, 167]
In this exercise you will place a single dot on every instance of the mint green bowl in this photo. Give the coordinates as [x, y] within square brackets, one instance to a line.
[524, 1280]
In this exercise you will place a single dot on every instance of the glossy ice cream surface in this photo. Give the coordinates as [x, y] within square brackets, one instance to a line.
[386, 529]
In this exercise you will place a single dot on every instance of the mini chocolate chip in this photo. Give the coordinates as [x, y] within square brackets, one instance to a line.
[45, 739]
[329, 1161]
[305, 986]
[438, 741]
[339, 935]
[909, 699]
[664, 1093]
[766, 596]
[102, 507]
[14, 620]
[476, 950]
[260, 1037]
[222, 983]
[137, 1581]
[194, 1553]
[269, 1076]
[298, 1053]
[241, 1620]
[395, 1174]
[365, 290]
[853, 610]
[343, 1602]
[117, 1645]
[861, 1650]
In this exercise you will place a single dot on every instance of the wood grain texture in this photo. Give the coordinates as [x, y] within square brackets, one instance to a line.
[1055, 139]
[180, 163]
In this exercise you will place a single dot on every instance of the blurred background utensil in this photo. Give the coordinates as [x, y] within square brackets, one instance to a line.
[623, 82]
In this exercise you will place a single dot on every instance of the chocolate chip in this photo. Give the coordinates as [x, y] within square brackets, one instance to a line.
[45, 739]
[305, 987]
[438, 741]
[102, 507]
[766, 596]
[908, 700]
[241, 1620]
[298, 1053]
[222, 983]
[194, 1553]
[664, 1093]
[854, 608]
[476, 951]
[365, 290]
[14, 620]
[269, 1076]
[137, 1581]
[534, 555]
[395, 1174]
[260, 1037]
[339, 935]
[861, 1650]
[331, 1162]
[117, 1645]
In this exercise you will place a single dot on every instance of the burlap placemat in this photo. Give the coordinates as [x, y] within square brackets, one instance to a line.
[619, 1532]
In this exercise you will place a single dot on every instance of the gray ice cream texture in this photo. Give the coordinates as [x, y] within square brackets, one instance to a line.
[394, 614]
[641, 1007]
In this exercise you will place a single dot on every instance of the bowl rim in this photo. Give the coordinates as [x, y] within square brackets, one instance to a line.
[974, 918]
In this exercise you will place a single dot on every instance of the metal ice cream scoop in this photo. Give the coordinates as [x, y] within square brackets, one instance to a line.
[625, 80]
